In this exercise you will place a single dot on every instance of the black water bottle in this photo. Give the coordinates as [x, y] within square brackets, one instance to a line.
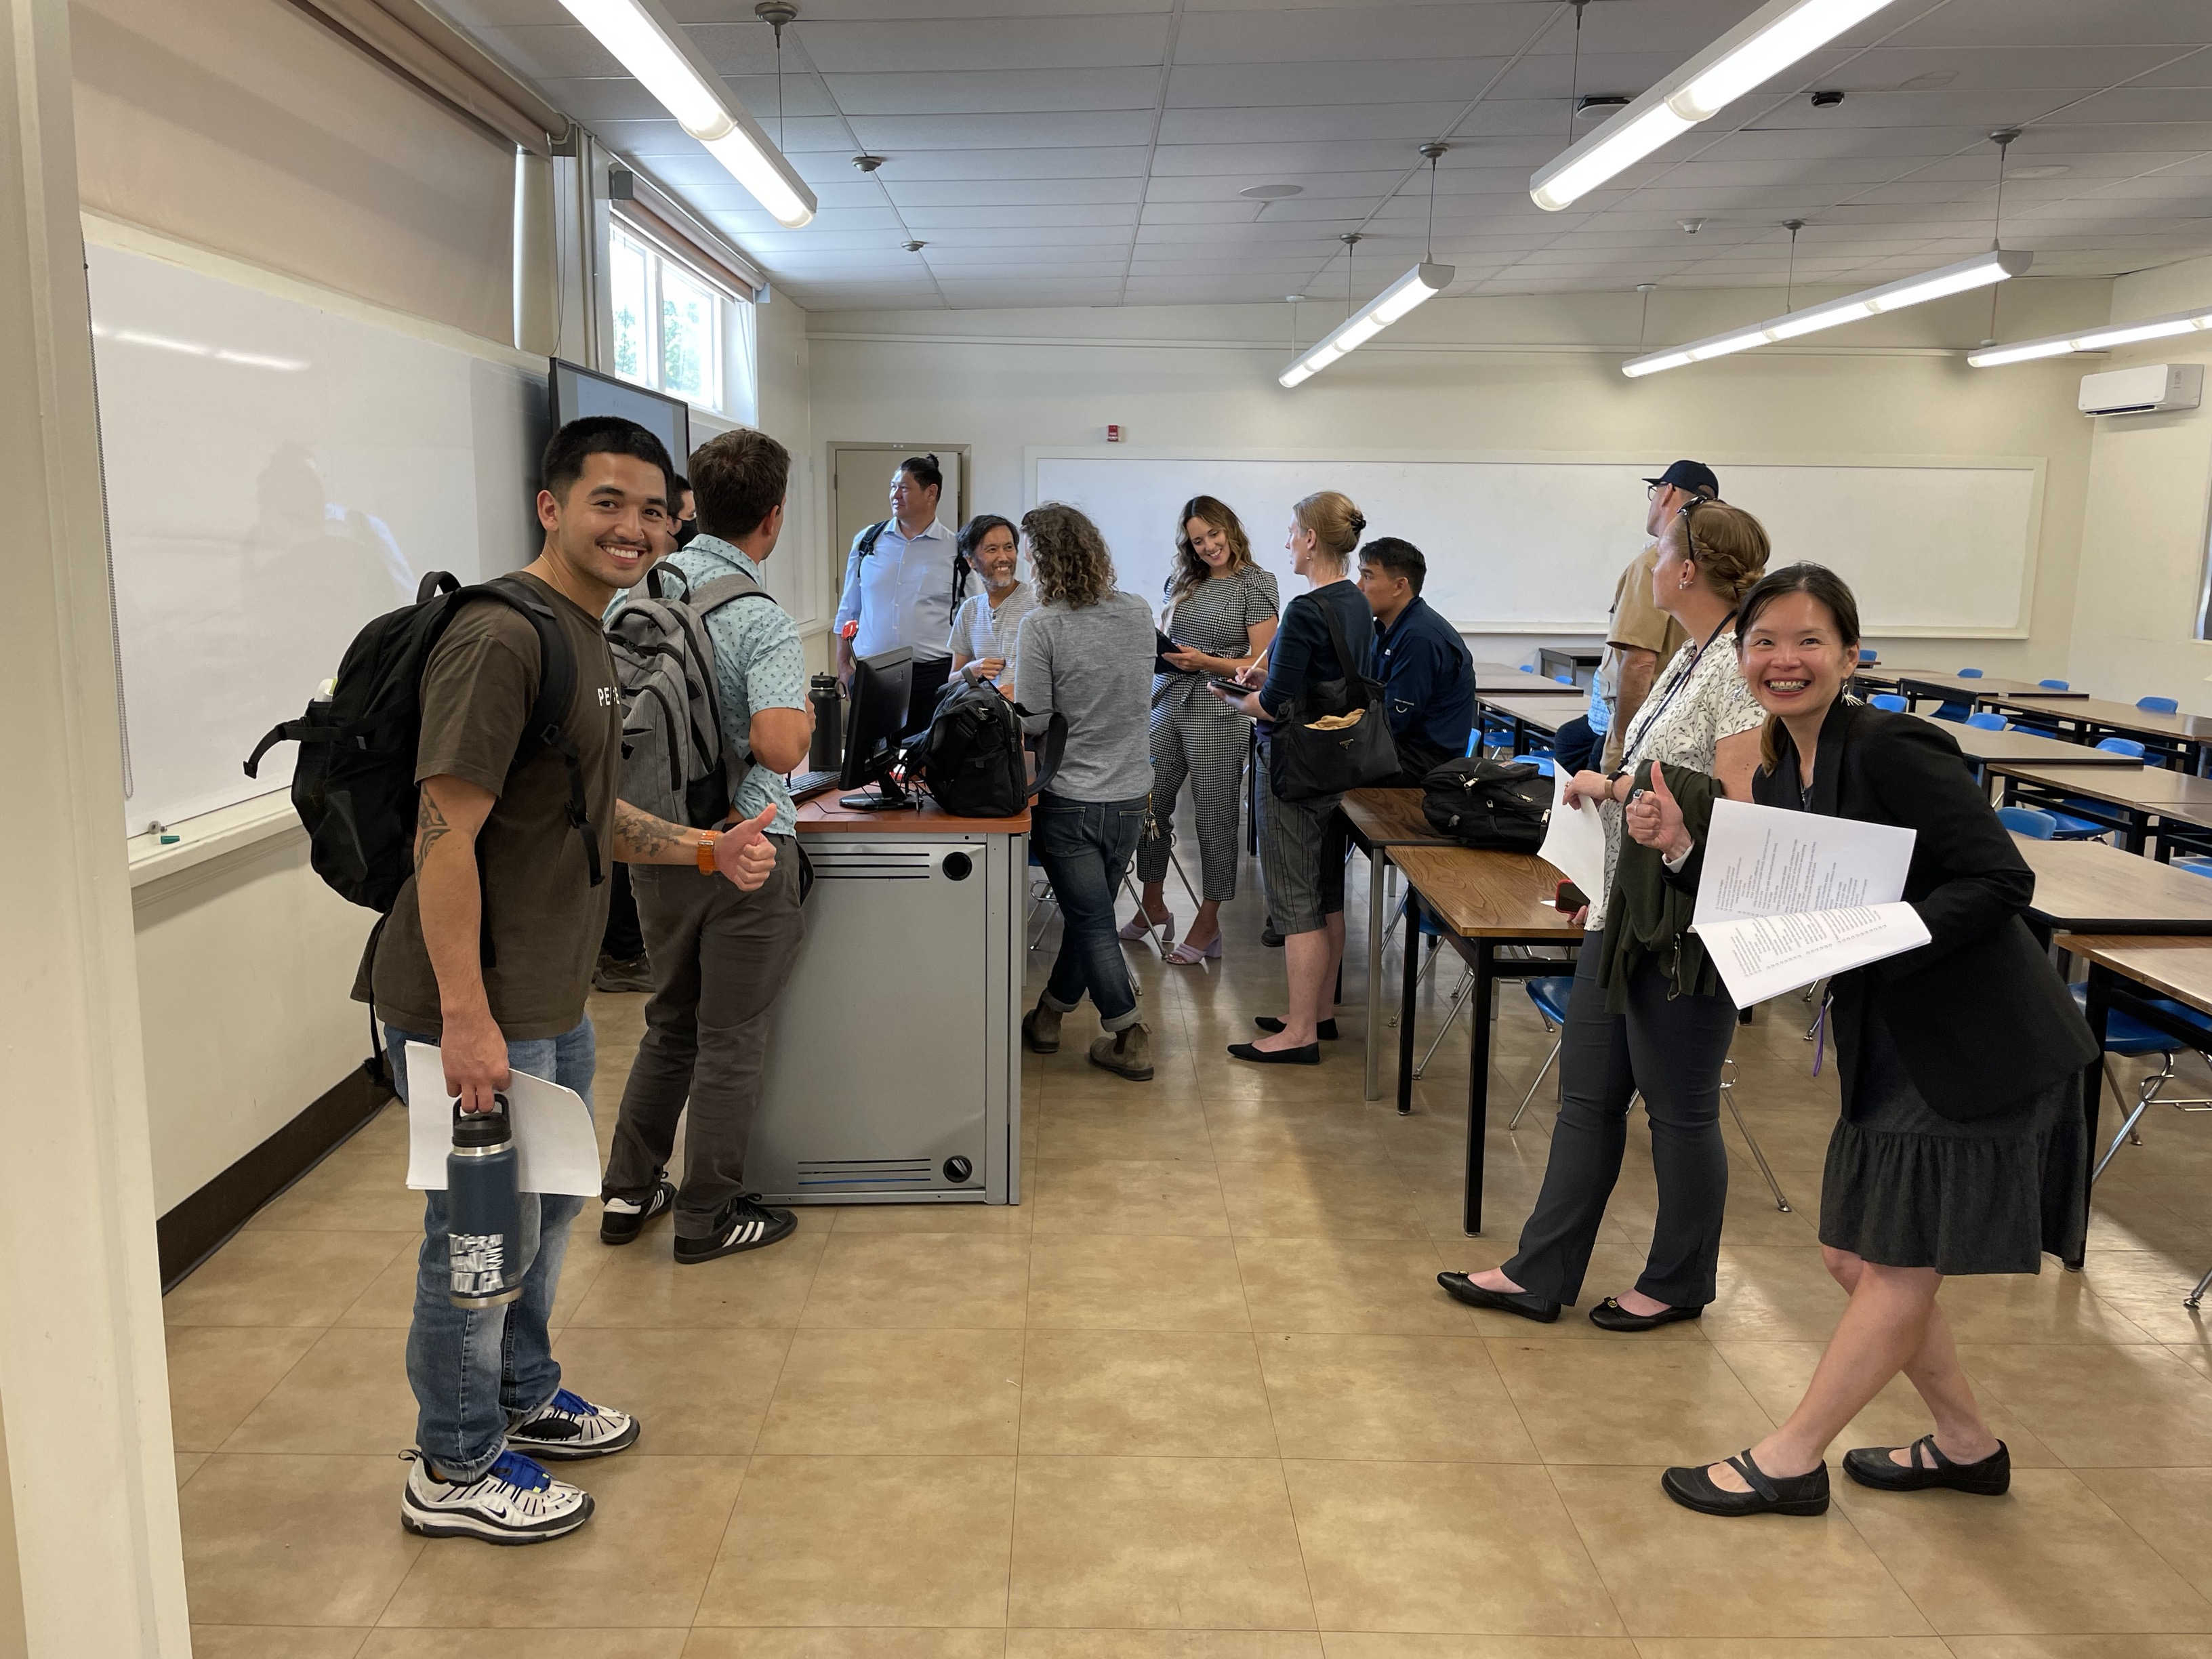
[484, 1210]
[828, 697]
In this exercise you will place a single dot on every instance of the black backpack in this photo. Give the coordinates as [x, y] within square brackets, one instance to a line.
[969, 758]
[1505, 806]
[960, 569]
[354, 787]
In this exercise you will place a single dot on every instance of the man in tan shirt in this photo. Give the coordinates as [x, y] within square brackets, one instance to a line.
[1640, 637]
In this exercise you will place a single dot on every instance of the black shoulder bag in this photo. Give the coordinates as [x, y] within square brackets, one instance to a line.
[1312, 754]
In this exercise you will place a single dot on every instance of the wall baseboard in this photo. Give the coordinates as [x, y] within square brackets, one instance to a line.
[195, 1228]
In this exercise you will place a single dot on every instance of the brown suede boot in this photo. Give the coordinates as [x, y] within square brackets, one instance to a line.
[1127, 1051]
[1041, 1029]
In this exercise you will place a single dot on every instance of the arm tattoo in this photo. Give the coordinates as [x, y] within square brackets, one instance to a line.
[430, 827]
[642, 838]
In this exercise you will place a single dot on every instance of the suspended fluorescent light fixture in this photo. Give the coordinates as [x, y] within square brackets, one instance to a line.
[1757, 49]
[1423, 281]
[1977, 272]
[650, 43]
[2095, 339]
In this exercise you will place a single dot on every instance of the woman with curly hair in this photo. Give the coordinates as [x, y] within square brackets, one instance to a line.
[1221, 611]
[1085, 653]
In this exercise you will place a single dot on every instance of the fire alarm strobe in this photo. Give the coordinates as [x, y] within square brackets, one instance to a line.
[1114, 434]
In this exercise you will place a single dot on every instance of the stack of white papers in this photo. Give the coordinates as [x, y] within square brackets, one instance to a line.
[1574, 840]
[556, 1149]
[1788, 898]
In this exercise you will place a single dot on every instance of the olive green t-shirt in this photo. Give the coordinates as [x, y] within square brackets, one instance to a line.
[546, 917]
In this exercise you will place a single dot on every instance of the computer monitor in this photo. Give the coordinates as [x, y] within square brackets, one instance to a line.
[576, 391]
[930, 675]
[882, 690]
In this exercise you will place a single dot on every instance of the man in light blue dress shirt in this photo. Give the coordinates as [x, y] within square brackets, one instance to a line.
[901, 590]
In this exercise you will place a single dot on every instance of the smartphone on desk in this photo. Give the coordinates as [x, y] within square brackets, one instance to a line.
[1570, 899]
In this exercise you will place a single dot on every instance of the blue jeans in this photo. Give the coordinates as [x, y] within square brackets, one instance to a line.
[476, 1369]
[1085, 847]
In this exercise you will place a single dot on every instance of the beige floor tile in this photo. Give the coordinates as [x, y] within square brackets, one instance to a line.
[1776, 1374]
[927, 1281]
[1750, 1217]
[2050, 1556]
[1476, 1548]
[642, 1286]
[1163, 1644]
[348, 1394]
[587, 1259]
[2124, 1406]
[2080, 1647]
[275, 1642]
[294, 1541]
[698, 1392]
[527, 1645]
[2172, 1508]
[1146, 1543]
[641, 1560]
[218, 1374]
[1135, 1284]
[1274, 1124]
[384, 1135]
[272, 1279]
[901, 1643]
[2051, 1306]
[389, 1299]
[1772, 1293]
[1430, 1399]
[1338, 1645]
[849, 1219]
[1796, 1647]
[1131, 1394]
[1136, 1126]
[347, 1192]
[188, 1465]
[1672, 1403]
[1676, 1574]
[1300, 1198]
[887, 1393]
[1128, 1195]
[865, 1541]
[1386, 1287]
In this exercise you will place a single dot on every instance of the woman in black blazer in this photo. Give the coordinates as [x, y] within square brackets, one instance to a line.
[1962, 1147]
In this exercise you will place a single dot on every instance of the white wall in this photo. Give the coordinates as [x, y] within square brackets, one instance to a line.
[2143, 545]
[1526, 374]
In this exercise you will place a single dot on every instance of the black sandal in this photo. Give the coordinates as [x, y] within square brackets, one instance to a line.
[1872, 1466]
[1794, 1494]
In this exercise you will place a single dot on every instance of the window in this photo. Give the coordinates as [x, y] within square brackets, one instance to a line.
[668, 323]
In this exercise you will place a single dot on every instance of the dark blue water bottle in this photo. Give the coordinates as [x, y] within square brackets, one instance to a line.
[484, 1210]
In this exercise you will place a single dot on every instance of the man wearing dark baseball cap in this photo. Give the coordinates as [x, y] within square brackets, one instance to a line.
[1639, 636]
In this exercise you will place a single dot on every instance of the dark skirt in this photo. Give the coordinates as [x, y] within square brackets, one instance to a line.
[1908, 1187]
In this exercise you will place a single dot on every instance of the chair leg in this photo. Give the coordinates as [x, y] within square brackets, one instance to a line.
[2129, 1134]
[1427, 967]
[1533, 1087]
[1156, 932]
[1728, 1093]
[2196, 1297]
[1451, 1015]
[1194, 900]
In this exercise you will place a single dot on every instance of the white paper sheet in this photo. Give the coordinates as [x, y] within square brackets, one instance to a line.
[1574, 840]
[556, 1150]
[1763, 957]
[1763, 861]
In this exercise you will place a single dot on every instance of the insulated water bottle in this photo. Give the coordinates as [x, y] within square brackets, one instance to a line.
[829, 700]
[484, 1210]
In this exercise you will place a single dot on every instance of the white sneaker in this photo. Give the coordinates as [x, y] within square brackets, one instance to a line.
[513, 1502]
[569, 1426]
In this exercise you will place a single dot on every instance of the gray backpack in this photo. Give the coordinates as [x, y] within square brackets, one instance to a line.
[674, 764]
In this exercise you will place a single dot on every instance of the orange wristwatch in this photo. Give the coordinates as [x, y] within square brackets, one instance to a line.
[706, 851]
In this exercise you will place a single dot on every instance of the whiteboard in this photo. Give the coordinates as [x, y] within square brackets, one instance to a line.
[1534, 545]
[276, 474]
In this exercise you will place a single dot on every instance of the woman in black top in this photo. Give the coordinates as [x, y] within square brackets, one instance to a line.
[1301, 857]
[1961, 1148]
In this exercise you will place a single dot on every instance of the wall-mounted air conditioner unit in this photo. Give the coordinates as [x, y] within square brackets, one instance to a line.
[2142, 391]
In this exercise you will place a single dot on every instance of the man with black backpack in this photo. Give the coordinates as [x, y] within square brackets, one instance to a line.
[719, 956]
[904, 576]
[488, 953]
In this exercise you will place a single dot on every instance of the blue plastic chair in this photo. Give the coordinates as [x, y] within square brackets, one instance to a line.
[1888, 700]
[2027, 821]
[1563, 679]
[1983, 721]
[2158, 705]
[1970, 673]
[1550, 995]
[2071, 827]
[2126, 1035]
[1528, 668]
[2054, 685]
[1866, 655]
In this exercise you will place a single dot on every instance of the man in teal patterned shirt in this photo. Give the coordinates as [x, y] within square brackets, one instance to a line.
[721, 957]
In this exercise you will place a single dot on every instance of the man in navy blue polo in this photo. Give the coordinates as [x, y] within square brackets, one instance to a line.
[1426, 670]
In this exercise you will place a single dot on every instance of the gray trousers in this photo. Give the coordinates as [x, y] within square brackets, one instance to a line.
[720, 958]
[1208, 747]
[1670, 1049]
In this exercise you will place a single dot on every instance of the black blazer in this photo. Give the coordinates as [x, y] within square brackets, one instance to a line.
[1981, 1019]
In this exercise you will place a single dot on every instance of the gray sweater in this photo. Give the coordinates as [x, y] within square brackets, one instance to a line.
[1094, 666]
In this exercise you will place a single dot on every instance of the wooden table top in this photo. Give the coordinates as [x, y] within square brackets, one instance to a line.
[1392, 818]
[1951, 686]
[1497, 677]
[2178, 968]
[2158, 791]
[2085, 884]
[1479, 894]
[2028, 747]
[2111, 716]
[1544, 713]
[824, 815]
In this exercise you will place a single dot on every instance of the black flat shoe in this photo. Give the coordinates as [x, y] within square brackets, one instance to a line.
[1309, 1055]
[1610, 1315]
[1529, 1305]
[1326, 1029]
[1872, 1466]
[1770, 1494]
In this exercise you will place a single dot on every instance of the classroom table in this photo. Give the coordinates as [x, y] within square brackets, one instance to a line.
[1980, 745]
[2087, 887]
[1529, 717]
[2138, 801]
[1481, 900]
[1381, 819]
[1913, 683]
[1498, 676]
[2187, 736]
[1577, 662]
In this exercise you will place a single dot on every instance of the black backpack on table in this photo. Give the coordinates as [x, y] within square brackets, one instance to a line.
[1505, 806]
[969, 758]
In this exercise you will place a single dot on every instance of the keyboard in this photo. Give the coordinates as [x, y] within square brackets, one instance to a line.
[805, 786]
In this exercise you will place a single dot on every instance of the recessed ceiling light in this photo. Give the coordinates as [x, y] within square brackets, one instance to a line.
[1271, 193]
[1592, 105]
[2048, 170]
